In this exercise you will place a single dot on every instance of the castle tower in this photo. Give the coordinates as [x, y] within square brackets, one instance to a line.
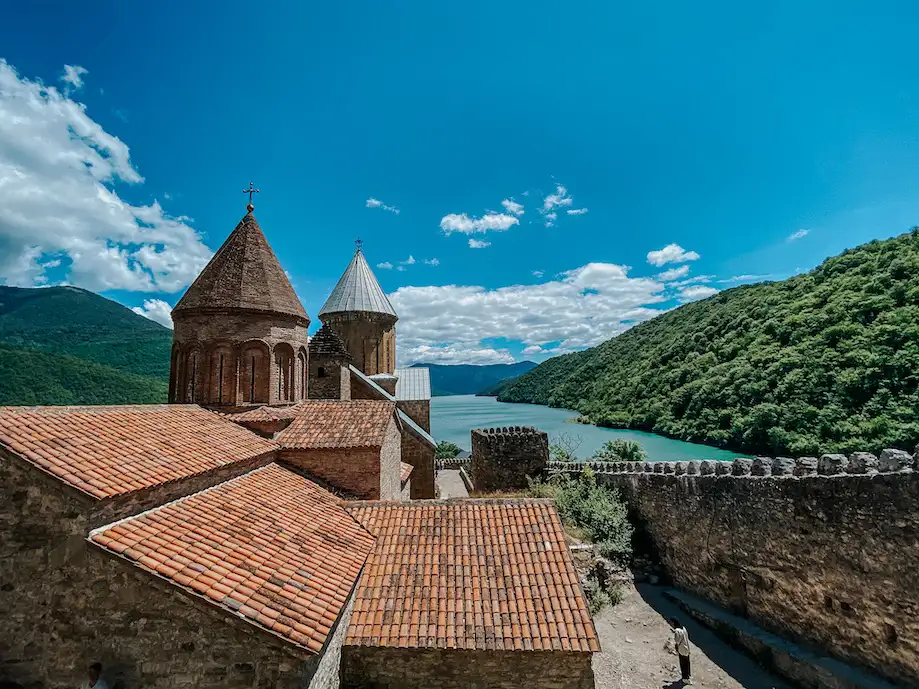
[329, 378]
[360, 313]
[240, 330]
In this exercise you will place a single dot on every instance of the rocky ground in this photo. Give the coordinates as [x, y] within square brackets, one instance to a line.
[637, 645]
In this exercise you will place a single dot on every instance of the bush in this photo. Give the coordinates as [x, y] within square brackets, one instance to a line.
[446, 450]
[620, 451]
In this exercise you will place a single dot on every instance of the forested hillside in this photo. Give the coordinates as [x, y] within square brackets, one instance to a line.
[63, 345]
[470, 379]
[826, 361]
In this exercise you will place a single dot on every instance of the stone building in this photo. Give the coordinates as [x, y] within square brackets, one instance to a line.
[329, 375]
[240, 332]
[503, 458]
[181, 549]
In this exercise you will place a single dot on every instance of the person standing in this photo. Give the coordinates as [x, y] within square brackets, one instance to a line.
[95, 680]
[681, 641]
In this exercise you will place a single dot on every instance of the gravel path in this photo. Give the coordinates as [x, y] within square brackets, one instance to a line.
[638, 653]
[451, 485]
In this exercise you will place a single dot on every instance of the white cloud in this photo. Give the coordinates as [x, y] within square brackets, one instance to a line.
[550, 219]
[532, 349]
[560, 199]
[455, 354]
[73, 75]
[385, 265]
[798, 235]
[580, 308]
[401, 269]
[696, 292]
[410, 261]
[672, 253]
[745, 278]
[512, 207]
[577, 211]
[538, 273]
[478, 244]
[497, 222]
[673, 273]
[432, 262]
[156, 310]
[375, 203]
[58, 168]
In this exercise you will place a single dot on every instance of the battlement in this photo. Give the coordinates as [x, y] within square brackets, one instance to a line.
[857, 463]
[502, 458]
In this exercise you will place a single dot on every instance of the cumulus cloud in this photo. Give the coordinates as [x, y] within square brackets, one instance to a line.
[512, 207]
[490, 222]
[696, 292]
[385, 265]
[73, 75]
[560, 199]
[672, 253]
[432, 262]
[577, 211]
[455, 354]
[478, 244]
[798, 235]
[58, 169]
[156, 310]
[550, 219]
[673, 273]
[580, 308]
[376, 203]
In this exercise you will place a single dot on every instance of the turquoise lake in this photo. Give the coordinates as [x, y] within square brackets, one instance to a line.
[452, 418]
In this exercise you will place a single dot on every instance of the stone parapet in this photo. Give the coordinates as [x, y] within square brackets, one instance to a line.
[503, 458]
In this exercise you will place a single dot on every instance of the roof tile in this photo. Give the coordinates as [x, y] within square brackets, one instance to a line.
[112, 450]
[329, 424]
[270, 546]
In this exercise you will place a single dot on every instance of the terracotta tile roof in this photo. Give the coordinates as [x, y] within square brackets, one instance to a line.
[326, 342]
[270, 546]
[338, 424]
[108, 451]
[243, 274]
[265, 413]
[405, 471]
[469, 574]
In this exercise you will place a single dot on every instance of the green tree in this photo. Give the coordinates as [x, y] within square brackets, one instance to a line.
[620, 451]
[446, 450]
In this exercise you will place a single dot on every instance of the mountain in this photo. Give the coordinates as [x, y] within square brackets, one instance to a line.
[497, 388]
[64, 345]
[469, 379]
[826, 361]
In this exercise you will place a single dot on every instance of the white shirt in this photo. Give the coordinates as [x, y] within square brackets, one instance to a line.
[100, 684]
[680, 638]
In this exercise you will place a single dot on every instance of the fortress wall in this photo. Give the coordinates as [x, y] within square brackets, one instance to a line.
[822, 551]
[502, 458]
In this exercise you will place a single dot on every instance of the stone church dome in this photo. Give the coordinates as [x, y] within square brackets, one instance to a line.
[358, 291]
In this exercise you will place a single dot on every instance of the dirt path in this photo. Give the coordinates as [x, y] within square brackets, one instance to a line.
[638, 649]
[451, 485]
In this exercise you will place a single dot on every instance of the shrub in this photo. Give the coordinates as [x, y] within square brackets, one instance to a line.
[446, 450]
[620, 451]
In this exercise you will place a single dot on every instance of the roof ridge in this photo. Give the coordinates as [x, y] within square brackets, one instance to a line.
[358, 290]
[448, 502]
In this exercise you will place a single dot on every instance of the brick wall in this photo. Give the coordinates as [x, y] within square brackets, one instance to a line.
[502, 458]
[67, 604]
[421, 456]
[367, 667]
[369, 339]
[390, 463]
[354, 470]
[829, 560]
[418, 411]
[334, 384]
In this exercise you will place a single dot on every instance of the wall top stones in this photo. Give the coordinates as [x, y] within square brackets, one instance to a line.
[510, 430]
[889, 461]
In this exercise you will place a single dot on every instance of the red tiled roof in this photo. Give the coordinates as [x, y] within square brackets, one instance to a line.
[404, 471]
[469, 574]
[108, 451]
[269, 546]
[338, 424]
[265, 413]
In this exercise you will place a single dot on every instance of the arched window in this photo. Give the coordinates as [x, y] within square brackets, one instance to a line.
[284, 365]
[253, 372]
[222, 376]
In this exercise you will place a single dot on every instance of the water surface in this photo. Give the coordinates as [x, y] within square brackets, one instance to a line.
[452, 418]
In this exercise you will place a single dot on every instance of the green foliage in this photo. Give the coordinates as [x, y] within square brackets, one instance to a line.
[620, 451]
[447, 450]
[827, 361]
[557, 453]
[63, 345]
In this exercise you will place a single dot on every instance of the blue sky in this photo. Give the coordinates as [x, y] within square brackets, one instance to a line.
[756, 140]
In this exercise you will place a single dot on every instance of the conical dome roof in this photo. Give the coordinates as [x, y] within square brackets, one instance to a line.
[243, 274]
[326, 342]
[358, 290]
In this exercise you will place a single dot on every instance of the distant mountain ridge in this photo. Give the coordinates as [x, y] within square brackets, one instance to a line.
[471, 379]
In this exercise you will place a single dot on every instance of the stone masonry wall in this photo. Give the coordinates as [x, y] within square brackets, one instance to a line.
[418, 411]
[391, 463]
[67, 604]
[335, 384]
[502, 458]
[421, 456]
[353, 470]
[367, 667]
[823, 551]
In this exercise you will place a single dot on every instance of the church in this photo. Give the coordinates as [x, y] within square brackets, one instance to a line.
[276, 524]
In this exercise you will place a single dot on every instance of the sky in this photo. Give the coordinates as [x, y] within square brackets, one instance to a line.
[528, 178]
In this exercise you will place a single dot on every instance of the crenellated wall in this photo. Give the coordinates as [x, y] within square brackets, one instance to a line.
[502, 458]
[822, 550]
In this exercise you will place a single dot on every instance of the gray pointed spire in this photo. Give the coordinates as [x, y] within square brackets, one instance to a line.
[358, 290]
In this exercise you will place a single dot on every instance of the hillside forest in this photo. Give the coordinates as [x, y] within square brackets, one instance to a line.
[826, 361]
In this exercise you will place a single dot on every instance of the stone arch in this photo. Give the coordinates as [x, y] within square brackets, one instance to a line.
[302, 373]
[254, 372]
[192, 390]
[221, 375]
[284, 361]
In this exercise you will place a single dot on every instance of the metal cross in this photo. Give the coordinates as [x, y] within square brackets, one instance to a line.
[359, 243]
[251, 190]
